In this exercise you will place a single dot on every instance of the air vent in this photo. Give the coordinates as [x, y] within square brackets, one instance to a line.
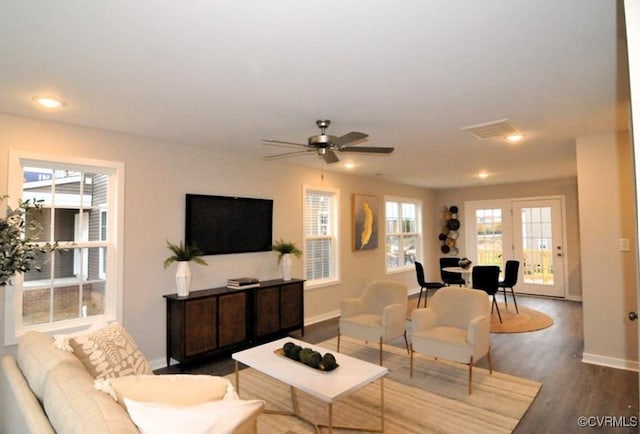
[501, 128]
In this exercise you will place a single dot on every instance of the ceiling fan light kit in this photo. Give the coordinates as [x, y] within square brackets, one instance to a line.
[324, 145]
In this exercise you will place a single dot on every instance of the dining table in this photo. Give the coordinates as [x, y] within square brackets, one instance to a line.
[464, 272]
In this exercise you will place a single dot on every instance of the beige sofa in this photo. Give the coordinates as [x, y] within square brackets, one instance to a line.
[47, 390]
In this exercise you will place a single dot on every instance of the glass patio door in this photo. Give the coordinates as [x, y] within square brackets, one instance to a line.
[529, 231]
[489, 233]
[540, 245]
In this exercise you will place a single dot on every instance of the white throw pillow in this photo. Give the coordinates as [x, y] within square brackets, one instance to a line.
[217, 417]
[178, 389]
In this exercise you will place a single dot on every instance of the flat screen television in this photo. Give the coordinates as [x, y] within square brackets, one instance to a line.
[220, 225]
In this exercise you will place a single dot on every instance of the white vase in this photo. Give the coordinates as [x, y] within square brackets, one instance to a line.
[183, 278]
[285, 262]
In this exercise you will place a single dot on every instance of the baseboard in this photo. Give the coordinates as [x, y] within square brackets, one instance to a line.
[319, 318]
[159, 363]
[610, 362]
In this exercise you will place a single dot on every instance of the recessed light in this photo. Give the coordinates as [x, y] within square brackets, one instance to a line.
[48, 103]
[349, 165]
[515, 137]
[483, 175]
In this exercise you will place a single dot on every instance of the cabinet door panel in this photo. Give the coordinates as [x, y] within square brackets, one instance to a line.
[267, 311]
[200, 326]
[232, 318]
[291, 306]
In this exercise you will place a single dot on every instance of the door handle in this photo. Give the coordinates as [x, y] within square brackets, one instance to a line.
[633, 316]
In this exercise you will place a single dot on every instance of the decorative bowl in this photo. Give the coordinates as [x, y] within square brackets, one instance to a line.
[464, 263]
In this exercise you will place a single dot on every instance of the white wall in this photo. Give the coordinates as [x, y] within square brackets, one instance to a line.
[157, 177]
[607, 214]
[632, 22]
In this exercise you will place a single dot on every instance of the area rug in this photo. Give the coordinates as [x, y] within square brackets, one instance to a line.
[528, 320]
[435, 400]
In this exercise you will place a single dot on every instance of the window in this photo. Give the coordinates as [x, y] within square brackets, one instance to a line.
[489, 236]
[80, 282]
[320, 236]
[403, 239]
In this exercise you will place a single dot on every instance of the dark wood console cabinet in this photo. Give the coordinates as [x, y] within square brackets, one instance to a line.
[211, 321]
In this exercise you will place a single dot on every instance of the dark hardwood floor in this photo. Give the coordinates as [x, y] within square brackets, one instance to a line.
[571, 388]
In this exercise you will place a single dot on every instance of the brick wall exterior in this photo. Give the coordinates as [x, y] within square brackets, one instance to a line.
[35, 304]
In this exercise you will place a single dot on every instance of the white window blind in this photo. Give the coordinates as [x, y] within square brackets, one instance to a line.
[320, 235]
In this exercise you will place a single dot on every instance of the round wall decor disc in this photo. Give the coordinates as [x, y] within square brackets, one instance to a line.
[453, 224]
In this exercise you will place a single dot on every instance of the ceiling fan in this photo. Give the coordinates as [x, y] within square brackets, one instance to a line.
[324, 145]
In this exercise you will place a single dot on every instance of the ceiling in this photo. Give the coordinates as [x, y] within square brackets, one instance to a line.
[225, 74]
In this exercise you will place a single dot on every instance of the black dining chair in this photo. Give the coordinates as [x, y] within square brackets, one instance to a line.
[485, 277]
[510, 279]
[448, 277]
[425, 286]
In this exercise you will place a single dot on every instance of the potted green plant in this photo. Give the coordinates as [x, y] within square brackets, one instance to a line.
[19, 250]
[285, 249]
[183, 255]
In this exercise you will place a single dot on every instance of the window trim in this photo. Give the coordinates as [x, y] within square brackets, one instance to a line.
[335, 250]
[419, 233]
[115, 274]
[102, 273]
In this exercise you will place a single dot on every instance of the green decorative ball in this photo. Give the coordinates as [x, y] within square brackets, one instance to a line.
[292, 350]
[314, 360]
[329, 362]
[305, 353]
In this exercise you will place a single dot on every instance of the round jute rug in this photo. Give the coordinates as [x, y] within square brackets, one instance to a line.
[528, 320]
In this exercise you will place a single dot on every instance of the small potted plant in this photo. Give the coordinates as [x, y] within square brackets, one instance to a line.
[18, 235]
[183, 254]
[285, 249]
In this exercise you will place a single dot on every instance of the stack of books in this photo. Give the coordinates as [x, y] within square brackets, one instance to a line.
[242, 283]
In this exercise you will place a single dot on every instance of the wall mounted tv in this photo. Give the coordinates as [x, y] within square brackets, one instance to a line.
[220, 225]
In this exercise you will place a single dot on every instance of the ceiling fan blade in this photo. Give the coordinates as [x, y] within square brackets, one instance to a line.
[287, 154]
[330, 157]
[351, 137]
[370, 149]
[272, 142]
[282, 145]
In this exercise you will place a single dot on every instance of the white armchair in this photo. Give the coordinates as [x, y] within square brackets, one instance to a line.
[378, 315]
[455, 326]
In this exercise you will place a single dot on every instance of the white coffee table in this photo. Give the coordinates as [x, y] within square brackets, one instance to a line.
[352, 374]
